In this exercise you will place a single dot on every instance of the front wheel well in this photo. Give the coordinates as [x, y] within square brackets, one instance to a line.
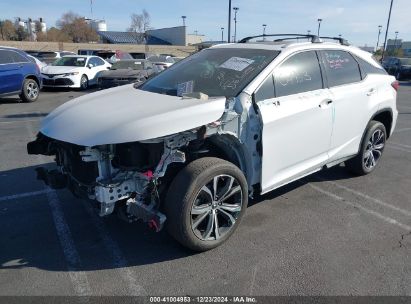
[384, 117]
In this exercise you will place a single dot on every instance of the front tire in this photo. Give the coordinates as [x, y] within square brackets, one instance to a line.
[371, 149]
[205, 203]
[30, 91]
[83, 82]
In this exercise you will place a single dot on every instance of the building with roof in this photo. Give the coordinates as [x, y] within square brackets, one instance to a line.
[165, 36]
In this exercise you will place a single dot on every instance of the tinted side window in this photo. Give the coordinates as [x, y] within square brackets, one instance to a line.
[5, 57]
[367, 68]
[341, 68]
[266, 90]
[300, 73]
[18, 57]
[92, 61]
[99, 61]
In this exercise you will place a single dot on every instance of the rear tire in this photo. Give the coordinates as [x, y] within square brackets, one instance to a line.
[371, 150]
[199, 217]
[30, 91]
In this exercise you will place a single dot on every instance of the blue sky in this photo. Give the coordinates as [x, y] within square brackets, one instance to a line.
[357, 20]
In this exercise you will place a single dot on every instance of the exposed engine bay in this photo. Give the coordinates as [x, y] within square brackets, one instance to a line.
[128, 172]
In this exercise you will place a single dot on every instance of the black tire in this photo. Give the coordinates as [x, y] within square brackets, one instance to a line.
[83, 82]
[186, 189]
[362, 163]
[30, 91]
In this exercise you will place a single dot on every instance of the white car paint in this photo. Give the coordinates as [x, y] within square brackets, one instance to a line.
[39, 63]
[75, 73]
[143, 115]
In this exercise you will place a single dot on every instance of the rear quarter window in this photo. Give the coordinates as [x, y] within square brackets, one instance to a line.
[367, 68]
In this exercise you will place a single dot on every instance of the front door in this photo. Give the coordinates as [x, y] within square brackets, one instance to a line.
[297, 121]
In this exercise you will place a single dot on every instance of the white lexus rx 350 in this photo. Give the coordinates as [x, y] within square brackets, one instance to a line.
[74, 71]
[188, 147]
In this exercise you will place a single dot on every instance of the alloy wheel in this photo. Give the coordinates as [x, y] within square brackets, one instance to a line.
[32, 90]
[216, 208]
[373, 151]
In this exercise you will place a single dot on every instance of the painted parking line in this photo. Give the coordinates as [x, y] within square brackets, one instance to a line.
[402, 130]
[372, 199]
[22, 195]
[387, 219]
[398, 148]
[116, 255]
[401, 145]
[78, 278]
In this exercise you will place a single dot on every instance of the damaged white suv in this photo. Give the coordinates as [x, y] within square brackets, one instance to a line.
[191, 145]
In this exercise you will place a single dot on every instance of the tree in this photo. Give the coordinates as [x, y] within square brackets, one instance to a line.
[76, 28]
[140, 23]
[21, 34]
[56, 35]
[7, 30]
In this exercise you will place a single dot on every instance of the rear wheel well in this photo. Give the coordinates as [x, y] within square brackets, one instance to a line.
[384, 117]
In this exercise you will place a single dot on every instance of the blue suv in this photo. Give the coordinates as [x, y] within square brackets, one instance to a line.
[19, 75]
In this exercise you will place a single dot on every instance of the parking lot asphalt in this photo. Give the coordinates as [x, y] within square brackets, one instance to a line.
[328, 234]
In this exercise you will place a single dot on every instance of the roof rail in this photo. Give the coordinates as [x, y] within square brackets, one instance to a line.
[339, 39]
[314, 38]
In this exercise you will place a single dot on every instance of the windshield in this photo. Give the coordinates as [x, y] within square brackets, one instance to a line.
[215, 72]
[406, 61]
[71, 61]
[127, 64]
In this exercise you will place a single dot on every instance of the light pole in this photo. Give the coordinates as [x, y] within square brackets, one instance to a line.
[229, 21]
[395, 42]
[378, 39]
[222, 34]
[235, 23]
[184, 20]
[386, 32]
[319, 26]
[264, 26]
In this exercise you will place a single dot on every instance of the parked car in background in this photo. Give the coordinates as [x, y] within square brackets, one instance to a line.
[398, 67]
[49, 57]
[192, 144]
[141, 55]
[39, 63]
[126, 71]
[162, 62]
[88, 52]
[19, 75]
[74, 71]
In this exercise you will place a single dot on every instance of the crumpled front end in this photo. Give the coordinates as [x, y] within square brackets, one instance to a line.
[127, 175]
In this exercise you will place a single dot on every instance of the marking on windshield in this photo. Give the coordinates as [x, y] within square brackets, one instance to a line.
[185, 87]
[236, 63]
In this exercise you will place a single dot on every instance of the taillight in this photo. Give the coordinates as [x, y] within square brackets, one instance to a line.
[395, 85]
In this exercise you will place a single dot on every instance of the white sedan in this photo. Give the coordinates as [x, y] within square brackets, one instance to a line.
[74, 72]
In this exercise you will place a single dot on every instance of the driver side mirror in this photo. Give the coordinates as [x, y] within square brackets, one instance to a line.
[90, 65]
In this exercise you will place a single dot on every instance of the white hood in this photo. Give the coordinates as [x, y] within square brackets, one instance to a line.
[125, 114]
[52, 69]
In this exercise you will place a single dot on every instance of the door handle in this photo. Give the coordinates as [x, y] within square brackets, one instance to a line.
[325, 103]
[371, 91]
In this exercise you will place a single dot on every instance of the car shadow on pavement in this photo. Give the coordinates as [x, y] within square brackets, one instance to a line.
[31, 232]
[25, 115]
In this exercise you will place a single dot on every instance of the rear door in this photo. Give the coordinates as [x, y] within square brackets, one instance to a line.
[297, 120]
[10, 72]
[352, 98]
